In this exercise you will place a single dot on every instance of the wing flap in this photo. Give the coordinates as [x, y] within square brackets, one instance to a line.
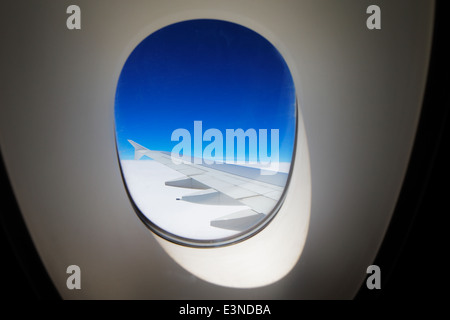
[188, 183]
[238, 221]
[211, 197]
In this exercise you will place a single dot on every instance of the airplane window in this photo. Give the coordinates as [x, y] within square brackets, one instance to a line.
[205, 115]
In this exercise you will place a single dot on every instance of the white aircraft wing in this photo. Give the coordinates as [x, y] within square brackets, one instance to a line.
[219, 186]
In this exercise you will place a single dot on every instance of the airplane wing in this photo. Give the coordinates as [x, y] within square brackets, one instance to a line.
[220, 186]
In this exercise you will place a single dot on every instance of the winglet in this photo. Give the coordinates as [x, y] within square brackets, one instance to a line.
[138, 150]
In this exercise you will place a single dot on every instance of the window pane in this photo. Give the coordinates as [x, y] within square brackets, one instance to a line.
[205, 115]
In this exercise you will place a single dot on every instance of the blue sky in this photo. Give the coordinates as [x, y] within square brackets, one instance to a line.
[217, 72]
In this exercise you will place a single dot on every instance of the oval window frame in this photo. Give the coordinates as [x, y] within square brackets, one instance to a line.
[240, 236]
